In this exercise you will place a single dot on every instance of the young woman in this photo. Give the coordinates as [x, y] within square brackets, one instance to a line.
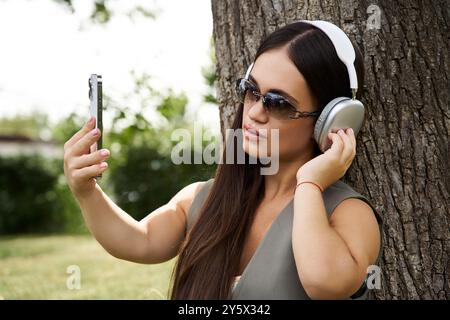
[298, 234]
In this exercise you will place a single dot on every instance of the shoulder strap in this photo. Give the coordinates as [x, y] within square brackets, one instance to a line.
[197, 203]
[338, 192]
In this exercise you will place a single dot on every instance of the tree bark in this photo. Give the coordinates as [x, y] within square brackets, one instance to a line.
[402, 161]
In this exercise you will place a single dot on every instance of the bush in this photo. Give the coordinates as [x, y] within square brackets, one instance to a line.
[33, 199]
[147, 179]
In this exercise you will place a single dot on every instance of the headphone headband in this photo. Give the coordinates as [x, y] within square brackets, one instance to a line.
[343, 46]
[247, 74]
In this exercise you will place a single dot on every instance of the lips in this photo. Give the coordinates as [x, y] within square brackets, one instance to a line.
[251, 132]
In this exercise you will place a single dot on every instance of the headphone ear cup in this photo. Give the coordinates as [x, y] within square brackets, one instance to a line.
[319, 126]
[341, 112]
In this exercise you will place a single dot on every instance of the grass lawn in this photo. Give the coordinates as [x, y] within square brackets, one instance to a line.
[36, 267]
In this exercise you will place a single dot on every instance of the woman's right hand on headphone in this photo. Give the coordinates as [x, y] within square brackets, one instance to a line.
[80, 166]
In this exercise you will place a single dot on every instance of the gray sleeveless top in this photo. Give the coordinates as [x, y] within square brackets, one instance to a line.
[271, 273]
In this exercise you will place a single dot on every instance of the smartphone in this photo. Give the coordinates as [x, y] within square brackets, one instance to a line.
[96, 107]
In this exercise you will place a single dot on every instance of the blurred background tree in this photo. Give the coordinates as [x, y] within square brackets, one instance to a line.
[35, 198]
[141, 175]
[34, 125]
[102, 10]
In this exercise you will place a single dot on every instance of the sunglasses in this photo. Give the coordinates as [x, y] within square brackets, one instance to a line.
[276, 105]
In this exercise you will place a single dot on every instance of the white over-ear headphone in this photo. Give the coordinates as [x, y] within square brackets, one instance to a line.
[341, 112]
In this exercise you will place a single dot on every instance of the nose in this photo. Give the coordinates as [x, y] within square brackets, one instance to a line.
[257, 112]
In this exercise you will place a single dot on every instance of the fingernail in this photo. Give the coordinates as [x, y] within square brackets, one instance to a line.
[104, 152]
[340, 131]
[350, 130]
[103, 165]
[94, 132]
[91, 120]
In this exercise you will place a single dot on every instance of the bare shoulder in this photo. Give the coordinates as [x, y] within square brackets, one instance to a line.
[356, 223]
[183, 199]
[165, 226]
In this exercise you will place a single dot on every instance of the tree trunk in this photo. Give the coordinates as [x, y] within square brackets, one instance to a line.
[402, 161]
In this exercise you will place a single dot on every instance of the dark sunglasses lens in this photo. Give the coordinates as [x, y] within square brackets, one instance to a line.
[244, 90]
[278, 106]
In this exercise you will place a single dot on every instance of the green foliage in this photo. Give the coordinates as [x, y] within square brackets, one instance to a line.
[141, 174]
[34, 195]
[32, 199]
[66, 3]
[146, 179]
[33, 125]
[100, 14]
[173, 107]
[67, 127]
[141, 11]
[102, 11]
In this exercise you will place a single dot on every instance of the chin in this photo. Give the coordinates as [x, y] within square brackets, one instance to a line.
[252, 150]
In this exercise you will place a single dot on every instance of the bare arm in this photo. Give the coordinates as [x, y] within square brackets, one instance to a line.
[154, 239]
[332, 255]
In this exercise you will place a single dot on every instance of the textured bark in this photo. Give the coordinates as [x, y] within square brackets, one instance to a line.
[402, 161]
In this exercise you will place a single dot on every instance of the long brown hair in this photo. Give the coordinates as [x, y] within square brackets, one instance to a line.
[210, 254]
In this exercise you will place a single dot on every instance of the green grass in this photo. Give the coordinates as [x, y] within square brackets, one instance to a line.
[35, 267]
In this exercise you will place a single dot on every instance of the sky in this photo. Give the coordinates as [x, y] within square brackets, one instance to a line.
[47, 54]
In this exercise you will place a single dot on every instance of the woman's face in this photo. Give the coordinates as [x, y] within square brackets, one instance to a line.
[273, 70]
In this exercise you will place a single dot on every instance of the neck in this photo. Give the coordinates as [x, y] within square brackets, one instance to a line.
[282, 184]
